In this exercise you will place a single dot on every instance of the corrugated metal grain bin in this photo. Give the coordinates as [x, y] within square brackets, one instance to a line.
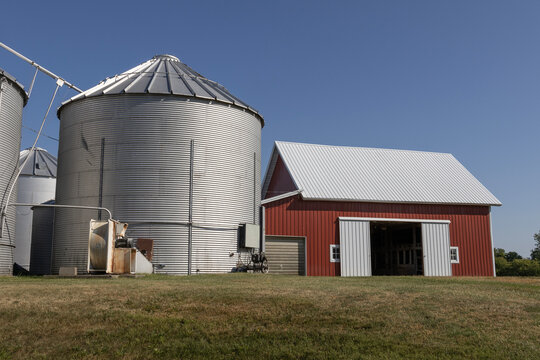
[36, 184]
[12, 100]
[126, 145]
[42, 234]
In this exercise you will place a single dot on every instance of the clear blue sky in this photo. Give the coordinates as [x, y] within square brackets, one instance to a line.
[448, 76]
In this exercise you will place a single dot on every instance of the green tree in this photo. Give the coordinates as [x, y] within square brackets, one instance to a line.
[511, 256]
[499, 252]
[535, 253]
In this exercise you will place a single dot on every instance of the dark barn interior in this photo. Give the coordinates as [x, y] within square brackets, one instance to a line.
[396, 248]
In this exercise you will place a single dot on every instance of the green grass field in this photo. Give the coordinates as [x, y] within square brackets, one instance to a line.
[246, 316]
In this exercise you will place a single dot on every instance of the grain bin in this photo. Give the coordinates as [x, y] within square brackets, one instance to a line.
[36, 184]
[12, 100]
[150, 144]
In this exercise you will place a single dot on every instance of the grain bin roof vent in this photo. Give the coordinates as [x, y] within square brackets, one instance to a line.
[42, 163]
[163, 74]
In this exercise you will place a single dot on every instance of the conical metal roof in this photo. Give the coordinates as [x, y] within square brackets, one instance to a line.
[163, 74]
[41, 163]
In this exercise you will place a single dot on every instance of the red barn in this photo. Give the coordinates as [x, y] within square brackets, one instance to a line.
[351, 211]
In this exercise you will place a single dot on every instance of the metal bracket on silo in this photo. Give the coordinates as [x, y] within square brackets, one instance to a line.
[190, 222]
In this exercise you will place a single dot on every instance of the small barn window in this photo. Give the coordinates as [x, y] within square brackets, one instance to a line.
[334, 253]
[454, 255]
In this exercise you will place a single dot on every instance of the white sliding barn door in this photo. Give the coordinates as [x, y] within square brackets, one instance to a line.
[355, 248]
[436, 248]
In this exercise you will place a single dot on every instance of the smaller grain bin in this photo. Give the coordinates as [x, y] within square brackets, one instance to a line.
[42, 234]
[36, 184]
[12, 100]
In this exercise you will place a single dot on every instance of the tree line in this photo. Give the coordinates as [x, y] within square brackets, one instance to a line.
[513, 264]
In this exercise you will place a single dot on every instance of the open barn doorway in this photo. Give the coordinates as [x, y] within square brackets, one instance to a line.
[396, 248]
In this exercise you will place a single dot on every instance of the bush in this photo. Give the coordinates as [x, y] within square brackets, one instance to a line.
[518, 267]
[525, 267]
[501, 266]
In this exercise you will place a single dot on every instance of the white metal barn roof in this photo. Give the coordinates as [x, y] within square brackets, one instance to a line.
[42, 163]
[343, 173]
[163, 74]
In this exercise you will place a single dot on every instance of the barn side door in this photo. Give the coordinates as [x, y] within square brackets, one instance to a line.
[355, 248]
[436, 247]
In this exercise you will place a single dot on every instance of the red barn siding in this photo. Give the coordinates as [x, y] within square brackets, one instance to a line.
[281, 181]
[318, 222]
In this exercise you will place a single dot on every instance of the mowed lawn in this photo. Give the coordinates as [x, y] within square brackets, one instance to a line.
[248, 316]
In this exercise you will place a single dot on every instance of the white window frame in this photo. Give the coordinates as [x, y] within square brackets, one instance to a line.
[456, 261]
[332, 247]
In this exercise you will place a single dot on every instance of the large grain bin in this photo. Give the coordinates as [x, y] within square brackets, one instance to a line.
[126, 144]
[36, 184]
[12, 100]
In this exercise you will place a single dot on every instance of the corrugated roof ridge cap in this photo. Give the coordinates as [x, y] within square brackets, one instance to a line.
[363, 148]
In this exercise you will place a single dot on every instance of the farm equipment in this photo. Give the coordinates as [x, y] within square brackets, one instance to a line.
[257, 262]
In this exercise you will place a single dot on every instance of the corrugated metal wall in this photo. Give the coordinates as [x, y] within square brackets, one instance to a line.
[355, 248]
[11, 106]
[318, 222]
[146, 171]
[436, 249]
[211, 248]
